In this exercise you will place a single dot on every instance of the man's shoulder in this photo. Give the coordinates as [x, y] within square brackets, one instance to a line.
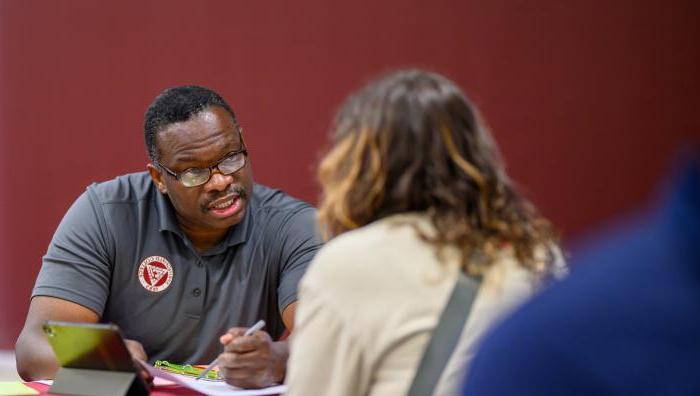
[272, 201]
[276, 215]
[127, 188]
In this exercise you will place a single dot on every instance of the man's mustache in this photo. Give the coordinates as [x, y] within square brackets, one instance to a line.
[238, 190]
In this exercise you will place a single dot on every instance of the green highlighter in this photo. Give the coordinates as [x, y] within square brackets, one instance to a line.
[186, 369]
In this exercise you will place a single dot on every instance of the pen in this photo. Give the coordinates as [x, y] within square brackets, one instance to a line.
[252, 329]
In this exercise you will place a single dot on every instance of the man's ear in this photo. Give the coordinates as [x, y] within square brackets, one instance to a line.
[157, 177]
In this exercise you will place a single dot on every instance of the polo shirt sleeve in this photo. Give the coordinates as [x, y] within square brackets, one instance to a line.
[77, 264]
[299, 244]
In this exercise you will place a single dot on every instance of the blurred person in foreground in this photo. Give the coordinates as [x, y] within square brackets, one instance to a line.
[414, 191]
[625, 322]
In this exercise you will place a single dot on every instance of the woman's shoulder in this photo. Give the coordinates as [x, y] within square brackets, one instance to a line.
[371, 252]
[388, 234]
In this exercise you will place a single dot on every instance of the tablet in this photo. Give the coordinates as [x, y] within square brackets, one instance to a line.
[94, 346]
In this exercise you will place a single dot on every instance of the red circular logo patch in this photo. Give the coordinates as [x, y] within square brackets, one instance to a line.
[155, 273]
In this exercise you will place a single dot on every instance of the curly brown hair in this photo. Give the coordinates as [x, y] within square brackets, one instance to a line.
[412, 142]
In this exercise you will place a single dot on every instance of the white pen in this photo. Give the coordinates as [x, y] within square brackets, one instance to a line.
[252, 329]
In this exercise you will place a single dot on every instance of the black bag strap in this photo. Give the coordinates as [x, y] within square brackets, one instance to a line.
[445, 336]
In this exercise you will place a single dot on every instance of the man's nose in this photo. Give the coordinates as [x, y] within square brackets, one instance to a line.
[218, 181]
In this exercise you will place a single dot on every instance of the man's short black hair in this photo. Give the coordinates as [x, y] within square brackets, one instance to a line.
[178, 104]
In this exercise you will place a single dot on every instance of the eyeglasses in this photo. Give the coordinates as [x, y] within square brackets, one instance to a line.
[193, 177]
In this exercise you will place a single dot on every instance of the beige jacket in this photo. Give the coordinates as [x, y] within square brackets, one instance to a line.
[368, 305]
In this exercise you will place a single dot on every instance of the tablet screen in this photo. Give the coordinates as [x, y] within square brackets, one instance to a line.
[89, 346]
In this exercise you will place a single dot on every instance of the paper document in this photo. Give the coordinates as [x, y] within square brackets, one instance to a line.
[45, 382]
[213, 388]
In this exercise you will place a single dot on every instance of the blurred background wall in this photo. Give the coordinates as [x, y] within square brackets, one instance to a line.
[587, 99]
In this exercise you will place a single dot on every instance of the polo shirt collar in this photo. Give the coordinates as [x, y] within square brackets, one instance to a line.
[237, 234]
[168, 222]
[166, 214]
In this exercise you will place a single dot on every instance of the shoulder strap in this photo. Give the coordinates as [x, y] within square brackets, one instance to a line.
[445, 336]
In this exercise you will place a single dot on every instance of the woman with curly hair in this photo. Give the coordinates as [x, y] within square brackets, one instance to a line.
[414, 191]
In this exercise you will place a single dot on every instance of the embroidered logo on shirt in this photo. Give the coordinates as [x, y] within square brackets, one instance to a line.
[155, 274]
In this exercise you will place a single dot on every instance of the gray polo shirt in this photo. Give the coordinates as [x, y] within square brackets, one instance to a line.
[120, 252]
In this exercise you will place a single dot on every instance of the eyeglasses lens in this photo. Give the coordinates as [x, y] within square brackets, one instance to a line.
[194, 177]
[232, 164]
[197, 176]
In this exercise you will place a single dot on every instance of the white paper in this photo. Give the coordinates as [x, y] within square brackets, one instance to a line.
[213, 388]
[45, 382]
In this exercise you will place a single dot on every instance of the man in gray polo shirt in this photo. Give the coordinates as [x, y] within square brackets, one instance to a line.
[179, 255]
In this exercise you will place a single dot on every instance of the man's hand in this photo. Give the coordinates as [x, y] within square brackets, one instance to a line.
[136, 350]
[139, 355]
[253, 361]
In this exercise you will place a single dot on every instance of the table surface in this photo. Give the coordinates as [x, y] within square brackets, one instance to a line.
[161, 390]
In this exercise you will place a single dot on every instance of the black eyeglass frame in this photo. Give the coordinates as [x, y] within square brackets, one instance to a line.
[243, 150]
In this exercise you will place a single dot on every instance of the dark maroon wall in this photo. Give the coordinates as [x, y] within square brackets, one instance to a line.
[586, 98]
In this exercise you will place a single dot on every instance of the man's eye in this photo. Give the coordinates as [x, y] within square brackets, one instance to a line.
[195, 173]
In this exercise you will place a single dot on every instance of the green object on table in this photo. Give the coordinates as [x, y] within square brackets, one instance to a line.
[186, 369]
[16, 388]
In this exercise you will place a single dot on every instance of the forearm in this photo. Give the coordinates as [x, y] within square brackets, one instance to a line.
[35, 358]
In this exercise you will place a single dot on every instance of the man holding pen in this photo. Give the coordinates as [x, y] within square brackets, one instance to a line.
[182, 255]
[226, 340]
